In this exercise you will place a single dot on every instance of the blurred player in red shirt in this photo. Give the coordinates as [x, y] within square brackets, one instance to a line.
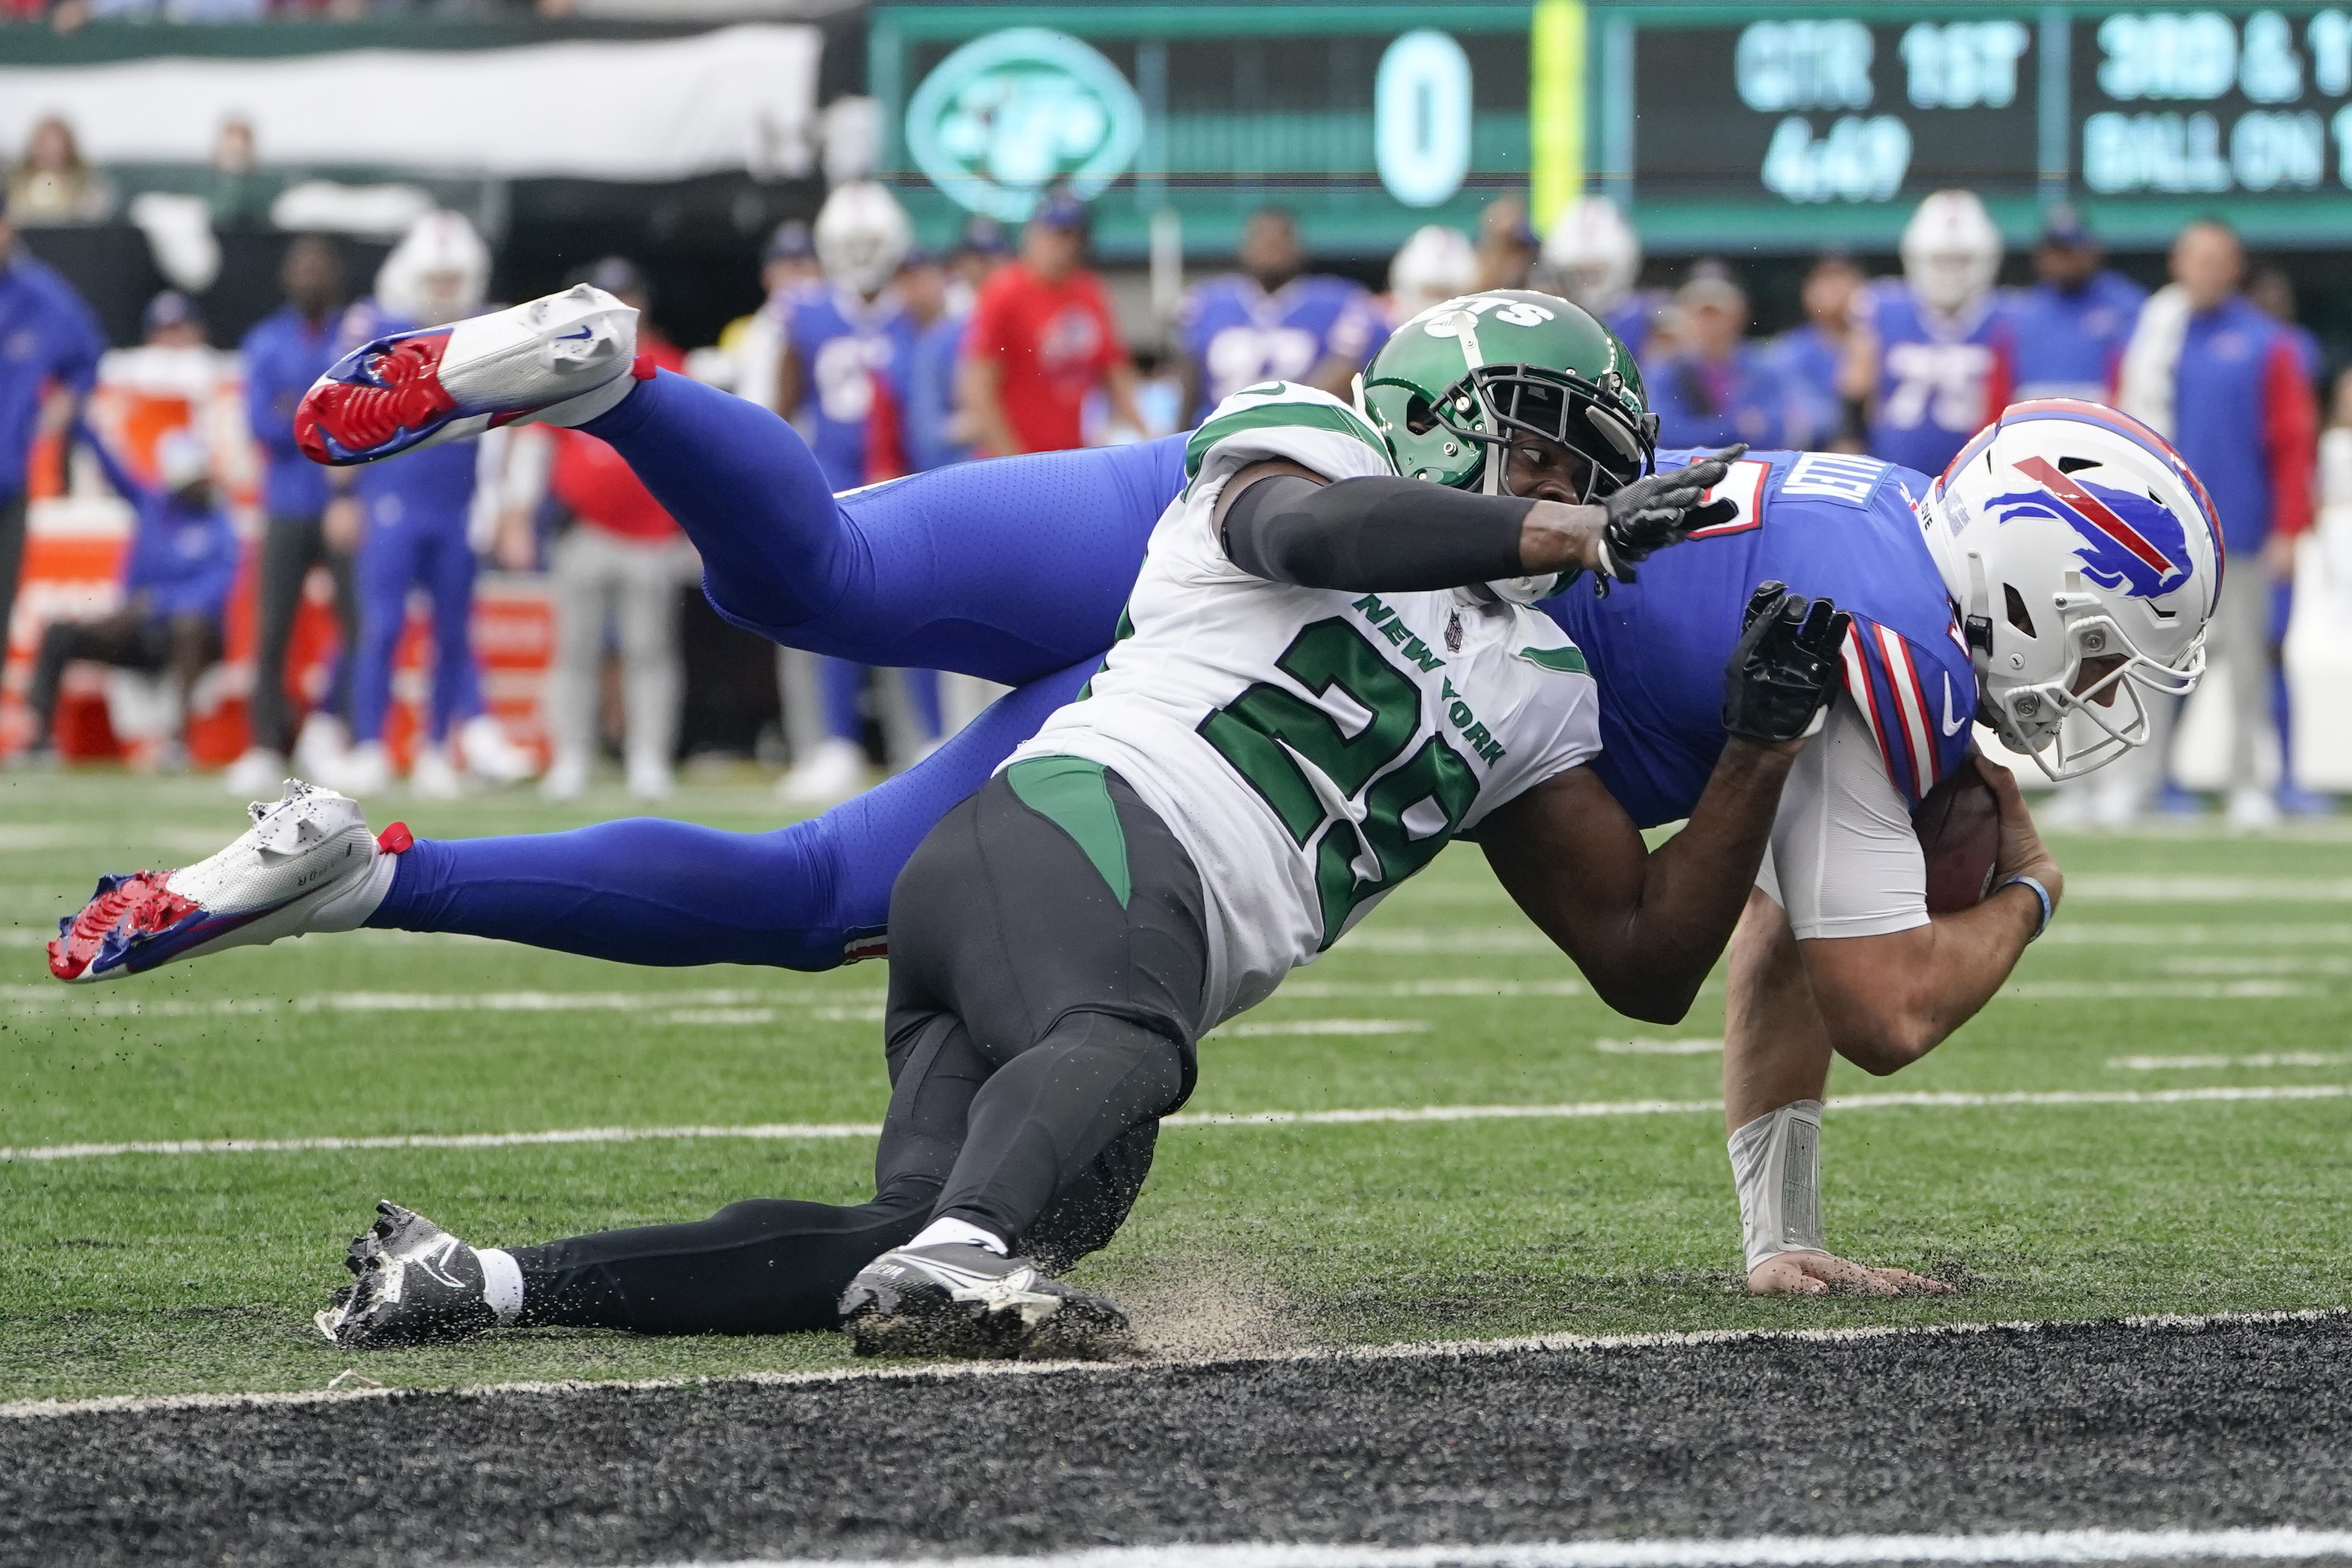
[621, 558]
[1041, 338]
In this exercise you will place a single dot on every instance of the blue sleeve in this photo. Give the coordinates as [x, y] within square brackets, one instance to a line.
[264, 380]
[126, 484]
[79, 341]
[206, 590]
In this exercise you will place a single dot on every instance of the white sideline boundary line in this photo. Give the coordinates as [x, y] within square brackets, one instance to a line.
[1427, 1350]
[789, 1131]
[2288, 1542]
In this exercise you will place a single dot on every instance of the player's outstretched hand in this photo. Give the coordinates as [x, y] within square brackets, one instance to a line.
[1786, 667]
[1822, 1274]
[1661, 510]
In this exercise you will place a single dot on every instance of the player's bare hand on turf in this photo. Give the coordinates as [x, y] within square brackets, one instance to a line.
[1658, 510]
[2022, 851]
[1786, 666]
[1823, 1274]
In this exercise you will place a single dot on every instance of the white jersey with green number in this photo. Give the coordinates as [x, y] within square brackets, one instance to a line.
[1311, 748]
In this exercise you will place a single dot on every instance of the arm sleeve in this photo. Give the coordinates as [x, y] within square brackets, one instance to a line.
[125, 484]
[1845, 860]
[1377, 534]
[2290, 437]
[80, 344]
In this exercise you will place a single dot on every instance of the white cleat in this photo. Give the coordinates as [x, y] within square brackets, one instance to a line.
[835, 772]
[253, 773]
[567, 777]
[307, 863]
[324, 742]
[490, 756]
[433, 776]
[365, 770]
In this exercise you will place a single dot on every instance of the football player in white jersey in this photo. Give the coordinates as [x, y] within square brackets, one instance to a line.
[1329, 670]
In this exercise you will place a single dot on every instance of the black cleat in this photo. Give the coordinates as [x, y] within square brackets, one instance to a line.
[960, 1301]
[417, 1284]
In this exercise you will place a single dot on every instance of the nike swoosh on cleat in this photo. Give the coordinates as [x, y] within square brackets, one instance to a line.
[567, 337]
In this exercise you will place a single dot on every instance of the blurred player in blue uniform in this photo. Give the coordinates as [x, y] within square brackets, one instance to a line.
[1718, 386]
[2272, 293]
[1934, 353]
[1592, 258]
[1812, 354]
[1273, 320]
[2071, 326]
[413, 521]
[843, 340]
[1005, 568]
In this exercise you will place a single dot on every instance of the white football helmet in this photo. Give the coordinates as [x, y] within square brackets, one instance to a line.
[437, 274]
[2068, 532]
[1436, 264]
[1950, 251]
[862, 235]
[1592, 254]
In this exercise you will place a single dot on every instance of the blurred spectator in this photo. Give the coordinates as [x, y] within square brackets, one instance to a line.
[1718, 386]
[1592, 258]
[2272, 293]
[1041, 338]
[49, 348]
[1436, 264]
[749, 357]
[408, 523]
[2334, 521]
[929, 435]
[1273, 321]
[284, 354]
[1506, 245]
[2073, 323]
[51, 184]
[2228, 385]
[241, 192]
[981, 249]
[1933, 355]
[175, 582]
[1810, 354]
[622, 558]
[843, 343]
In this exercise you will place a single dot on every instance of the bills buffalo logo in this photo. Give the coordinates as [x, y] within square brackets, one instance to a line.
[2129, 541]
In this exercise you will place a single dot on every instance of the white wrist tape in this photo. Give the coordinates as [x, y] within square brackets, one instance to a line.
[1776, 1165]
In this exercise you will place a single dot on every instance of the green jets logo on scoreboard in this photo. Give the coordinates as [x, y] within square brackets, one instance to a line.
[1007, 116]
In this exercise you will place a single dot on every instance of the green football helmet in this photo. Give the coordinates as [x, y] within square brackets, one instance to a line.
[1454, 386]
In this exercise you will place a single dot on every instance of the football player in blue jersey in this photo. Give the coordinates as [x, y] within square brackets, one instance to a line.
[1273, 320]
[1593, 258]
[2072, 324]
[1933, 354]
[2041, 587]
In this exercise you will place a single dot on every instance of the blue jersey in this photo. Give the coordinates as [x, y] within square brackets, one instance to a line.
[843, 343]
[429, 489]
[1750, 398]
[2069, 342]
[1939, 382]
[1809, 358]
[1239, 335]
[283, 354]
[47, 335]
[1822, 523]
[1635, 318]
[182, 560]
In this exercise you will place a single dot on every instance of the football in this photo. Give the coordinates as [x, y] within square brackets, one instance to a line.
[1958, 826]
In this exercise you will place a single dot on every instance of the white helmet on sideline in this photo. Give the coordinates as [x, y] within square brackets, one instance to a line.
[1436, 264]
[1951, 251]
[2067, 532]
[1592, 254]
[861, 236]
[439, 272]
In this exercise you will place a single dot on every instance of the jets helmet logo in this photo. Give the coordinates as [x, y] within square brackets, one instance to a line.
[2130, 541]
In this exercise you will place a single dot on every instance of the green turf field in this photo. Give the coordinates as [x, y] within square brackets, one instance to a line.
[2184, 962]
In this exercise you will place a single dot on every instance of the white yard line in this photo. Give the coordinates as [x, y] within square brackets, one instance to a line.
[789, 1131]
[1425, 1350]
[1658, 1046]
[2123, 887]
[2258, 1059]
[2024, 1546]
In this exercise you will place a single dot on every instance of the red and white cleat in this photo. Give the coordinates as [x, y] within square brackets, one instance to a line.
[563, 359]
[307, 863]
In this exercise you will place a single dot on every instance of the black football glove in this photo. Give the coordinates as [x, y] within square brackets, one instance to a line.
[1658, 510]
[1787, 665]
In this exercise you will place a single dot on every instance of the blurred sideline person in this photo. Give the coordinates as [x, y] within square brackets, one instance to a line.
[1718, 386]
[1507, 246]
[1593, 258]
[53, 182]
[53, 342]
[620, 558]
[981, 248]
[284, 352]
[1018, 570]
[2229, 386]
[409, 524]
[1932, 357]
[929, 434]
[177, 577]
[1272, 320]
[2272, 293]
[2072, 323]
[1434, 264]
[1811, 353]
[844, 340]
[1041, 338]
[2333, 526]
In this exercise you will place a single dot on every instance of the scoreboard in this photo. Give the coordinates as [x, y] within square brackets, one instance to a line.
[1720, 127]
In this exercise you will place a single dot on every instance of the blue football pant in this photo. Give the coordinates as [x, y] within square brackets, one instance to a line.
[391, 560]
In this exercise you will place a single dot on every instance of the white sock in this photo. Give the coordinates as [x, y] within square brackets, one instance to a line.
[1776, 1165]
[348, 909]
[501, 1281]
[944, 1232]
